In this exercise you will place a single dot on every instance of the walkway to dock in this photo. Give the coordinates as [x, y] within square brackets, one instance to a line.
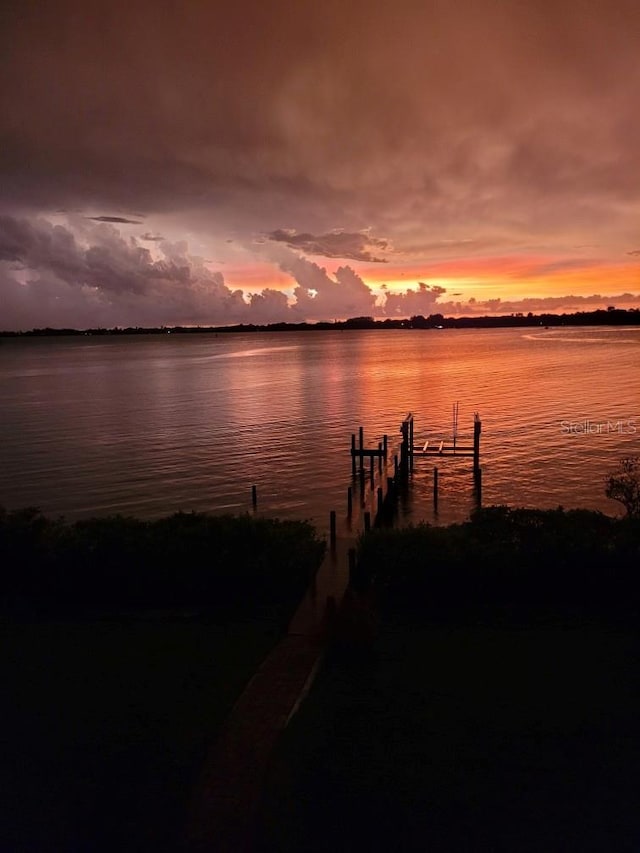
[226, 802]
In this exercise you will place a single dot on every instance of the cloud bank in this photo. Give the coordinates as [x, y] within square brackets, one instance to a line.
[51, 276]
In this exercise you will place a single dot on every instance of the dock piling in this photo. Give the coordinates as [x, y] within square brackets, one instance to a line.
[254, 496]
[406, 447]
[404, 460]
[478, 485]
[353, 455]
[411, 444]
[477, 429]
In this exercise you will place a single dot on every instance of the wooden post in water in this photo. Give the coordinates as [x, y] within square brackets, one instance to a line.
[477, 429]
[380, 501]
[367, 521]
[435, 488]
[332, 529]
[411, 444]
[395, 466]
[353, 455]
[406, 448]
[349, 502]
[254, 496]
[478, 485]
[371, 472]
[385, 446]
[380, 457]
[361, 446]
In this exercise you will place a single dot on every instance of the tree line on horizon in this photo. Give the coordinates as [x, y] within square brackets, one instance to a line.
[612, 316]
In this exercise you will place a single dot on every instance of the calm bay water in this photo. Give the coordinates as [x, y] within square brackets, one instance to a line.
[151, 425]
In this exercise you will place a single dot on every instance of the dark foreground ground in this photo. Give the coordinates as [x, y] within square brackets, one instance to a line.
[106, 724]
[123, 647]
[482, 695]
[473, 738]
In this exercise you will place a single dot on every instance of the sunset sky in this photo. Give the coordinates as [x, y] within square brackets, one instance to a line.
[211, 163]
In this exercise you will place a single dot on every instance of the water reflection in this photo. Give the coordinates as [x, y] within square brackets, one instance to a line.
[153, 425]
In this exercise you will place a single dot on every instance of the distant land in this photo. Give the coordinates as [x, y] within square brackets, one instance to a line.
[611, 317]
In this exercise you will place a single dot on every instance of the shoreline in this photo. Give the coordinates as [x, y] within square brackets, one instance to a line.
[614, 317]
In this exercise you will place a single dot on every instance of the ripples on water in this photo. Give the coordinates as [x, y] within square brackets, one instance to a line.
[152, 425]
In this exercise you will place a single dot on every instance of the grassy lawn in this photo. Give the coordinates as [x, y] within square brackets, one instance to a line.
[106, 724]
[465, 739]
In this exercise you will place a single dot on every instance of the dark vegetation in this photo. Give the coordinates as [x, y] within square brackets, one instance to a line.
[480, 694]
[623, 485]
[611, 317]
[509, 565]
[219, 565]
[124, 646]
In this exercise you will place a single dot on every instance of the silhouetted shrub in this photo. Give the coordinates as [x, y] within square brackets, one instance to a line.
[187, 560]
[509, 564]
[623, 485]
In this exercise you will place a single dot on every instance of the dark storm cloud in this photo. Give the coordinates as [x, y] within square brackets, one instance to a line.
[110, 262]
[336, 244]
[102, 105]
[112, 280]
[202, 106]
[109, 279]
[116, 220]
[426, 122]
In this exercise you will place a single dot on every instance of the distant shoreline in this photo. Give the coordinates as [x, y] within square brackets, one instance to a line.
[611, 317]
